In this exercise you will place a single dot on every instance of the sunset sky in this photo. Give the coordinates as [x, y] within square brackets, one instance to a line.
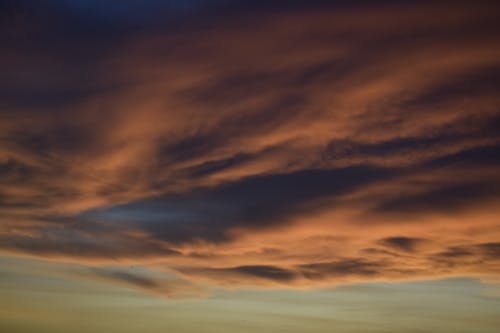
[249, 166]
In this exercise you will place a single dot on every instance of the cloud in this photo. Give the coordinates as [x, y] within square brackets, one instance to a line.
[252, 274]
[96, 246]
[129, 278]
[166, 287]
[330, 143]
[256, 202]
[407, 244]
[356, 267]
[490, 250]
[479, 257]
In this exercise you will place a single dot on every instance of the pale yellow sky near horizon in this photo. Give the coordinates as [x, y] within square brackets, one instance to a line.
[38, 296]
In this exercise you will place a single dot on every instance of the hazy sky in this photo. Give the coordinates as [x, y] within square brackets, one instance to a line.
[249, 166]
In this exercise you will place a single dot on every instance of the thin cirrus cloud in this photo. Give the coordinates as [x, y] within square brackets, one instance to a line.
[325, 145]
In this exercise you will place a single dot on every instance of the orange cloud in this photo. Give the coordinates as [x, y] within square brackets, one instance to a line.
[319, 147]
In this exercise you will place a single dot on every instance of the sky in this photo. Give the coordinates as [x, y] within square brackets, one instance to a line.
[249, 166]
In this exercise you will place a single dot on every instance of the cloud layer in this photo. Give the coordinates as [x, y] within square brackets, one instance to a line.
[254, 144]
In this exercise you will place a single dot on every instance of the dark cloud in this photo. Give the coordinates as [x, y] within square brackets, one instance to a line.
[322, 271]
[471, 257]
[266, 272]
[128, 278]
[71, 242]
[378, 251]
[488, 155]
[215, 166]
[455, 252]
[444, 198]
[257, 202]
[146, 280]
[342, 268]
[15, 171]
[406, 244]
[490, 250]
[479, 82]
